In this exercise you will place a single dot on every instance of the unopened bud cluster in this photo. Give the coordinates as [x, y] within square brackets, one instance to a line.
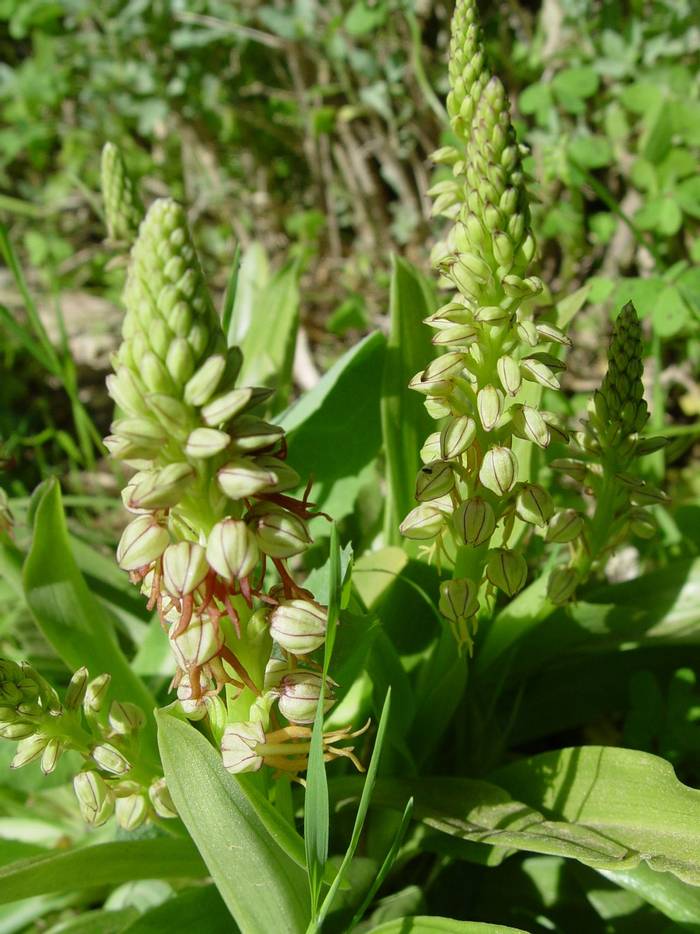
[490, 345]
[114, 779]
[211, 496]
[123, 208]
[602, 455]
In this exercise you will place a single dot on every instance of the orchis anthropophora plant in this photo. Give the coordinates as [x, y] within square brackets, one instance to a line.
[480, 388]
[213, 512]
[602, 455]
[118, 776]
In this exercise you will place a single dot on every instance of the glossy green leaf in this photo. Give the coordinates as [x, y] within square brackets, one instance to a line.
[632, 799]
[334, 431]
[675, 899]
[103, 864]
[405, 422]
[264, 889]
[432, 925]
[67, 612]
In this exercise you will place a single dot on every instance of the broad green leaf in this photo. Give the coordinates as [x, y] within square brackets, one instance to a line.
[432, 925]
[269, 341]
[334, 431]
[376, 571]
[97, 922]
[678, 901]
[251, 280]
[186, 912]
[264, 889]
[633, 799]
[405, 422]
[66, 611]
[578, 82]
[103, 864]
[671, 313]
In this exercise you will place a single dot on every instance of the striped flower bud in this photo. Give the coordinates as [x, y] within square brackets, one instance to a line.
[278, 532]
[123, 209]
[299, 626]
[509, 374]
[534, 504]
[95, 799]
[17, 730]
[506, 570]
[431, 448]
[456, 436]
[75, 692]
[28, 749]
[109, 759]
[299, 693]
[203, 384]
[475, 521]
[125, 717]
[458, 599]
[158, 489]
[96, 694]
[499, 470]
[249, 433]
[238, 747]
[424, 522]
[131, 811]
[434, 480]
[160, 799]
[184, 568]
[242, 477]
[489, 402]
[232, 403]
[206, 442]
[529, 424]
[51, 755]
[200, 642]
[232, 549]
[564, 526]
[561, 585]
[142, 542]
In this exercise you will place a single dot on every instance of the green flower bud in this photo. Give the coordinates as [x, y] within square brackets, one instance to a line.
[534, 504]
[492, 314]
[125, 391]
[499, 470]
[142, 542]
[299, 694]
[95, 799]
[459, 599]
[287, 477]
[275, 670]
[475, 521]
[232, 549]
[649, 445]
[249, 433]
[29, 748]
[506, 570]
[298, 626]
[278, 532]
[548, 332]
[509, 374]
[232, 403]
[125, 717]
[184, 568]
[643, 524]
[160, 799]
[242, 477]
[561, 585]
[202, 386]
[538, 372]
[200, 642]
[123, 209]
[131, 811]
[75, 692]
[142, 432]
[96, 694]
[457, 335]
[456, 436]
[238, 747]
[51, 755]
[18, 730]
[565, 526]
[431, 448]
[529, 424]
[489, 402]
[434, 480]
[158, 489]
[424, 522]
[206, 442]
[109, 759]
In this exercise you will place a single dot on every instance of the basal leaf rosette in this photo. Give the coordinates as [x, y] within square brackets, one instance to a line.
[492, 349]
[211, 502]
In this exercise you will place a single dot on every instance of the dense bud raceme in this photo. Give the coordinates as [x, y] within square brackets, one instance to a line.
[123, 209]
[493, 346]
[603, 454]
[105, 734]
[212, 504]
